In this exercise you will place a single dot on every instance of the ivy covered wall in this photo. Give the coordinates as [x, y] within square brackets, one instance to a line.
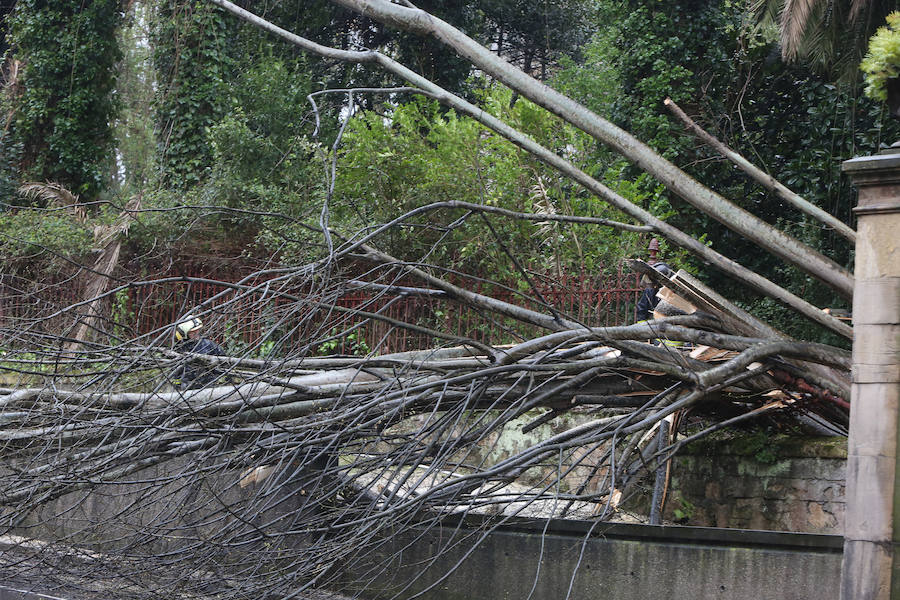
[67, 51]
[191, 57]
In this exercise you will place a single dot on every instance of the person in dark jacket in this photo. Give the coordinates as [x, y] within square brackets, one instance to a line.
[648, 299]
[192, 376]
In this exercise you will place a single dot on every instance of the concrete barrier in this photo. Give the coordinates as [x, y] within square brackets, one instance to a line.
[547, 561]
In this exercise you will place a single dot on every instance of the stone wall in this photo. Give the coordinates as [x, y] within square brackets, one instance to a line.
[743, 480]
[784, 483]
[748, 482]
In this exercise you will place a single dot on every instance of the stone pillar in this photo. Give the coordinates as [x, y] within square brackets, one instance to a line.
[871, 565]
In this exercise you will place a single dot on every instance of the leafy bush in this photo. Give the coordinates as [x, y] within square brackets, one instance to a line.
[882, 62]
[418, 153]
[29, 239]
[266, 166]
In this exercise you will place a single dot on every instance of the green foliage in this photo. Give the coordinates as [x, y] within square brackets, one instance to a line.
[23, 369]
[667, 50]
[263, 139]
[594, 81]
[6, 7]
[421, 154]
[265, 162]
[8, 172]
[802, 128]
[10, 149]
[62, 116]
[758, 444]
[684, 512]
[121, 315]
[233, 128]
[353, 343]
[235, 345]
[29, 238]
[10, 155]
[727, 76]
[135, 83]
[882, 62]
[643, 53]
[264, 182]
[535, 34]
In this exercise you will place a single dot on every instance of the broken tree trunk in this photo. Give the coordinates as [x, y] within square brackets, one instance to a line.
[109, 238]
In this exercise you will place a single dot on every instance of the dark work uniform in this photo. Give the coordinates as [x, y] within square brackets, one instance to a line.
[648, 300]
[193, 376]
[647, 303]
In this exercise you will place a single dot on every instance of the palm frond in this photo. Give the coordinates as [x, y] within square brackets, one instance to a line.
[828, 35]
[54, 194]
[795, 21]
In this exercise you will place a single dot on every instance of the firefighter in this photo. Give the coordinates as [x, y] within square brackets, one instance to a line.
[192, 376]
[648, 300]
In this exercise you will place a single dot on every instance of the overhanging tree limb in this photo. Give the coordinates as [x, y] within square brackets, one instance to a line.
[701, 197]
[762, 177]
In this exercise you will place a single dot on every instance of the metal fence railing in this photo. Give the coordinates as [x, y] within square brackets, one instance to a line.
[268, 321]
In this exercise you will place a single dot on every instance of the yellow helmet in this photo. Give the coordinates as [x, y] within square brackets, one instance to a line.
[185, 326]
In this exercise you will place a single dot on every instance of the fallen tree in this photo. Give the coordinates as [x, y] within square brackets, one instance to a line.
[304, 461]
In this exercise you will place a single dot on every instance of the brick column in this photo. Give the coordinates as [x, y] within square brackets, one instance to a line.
[871, 565]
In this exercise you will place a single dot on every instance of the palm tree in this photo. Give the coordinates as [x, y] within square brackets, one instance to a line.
[828, 34]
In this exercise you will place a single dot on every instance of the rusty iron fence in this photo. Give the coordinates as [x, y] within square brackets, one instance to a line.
[282, 320]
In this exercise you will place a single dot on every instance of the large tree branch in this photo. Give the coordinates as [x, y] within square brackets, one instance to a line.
[676, 236]
[702, 198]
[762, 177]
